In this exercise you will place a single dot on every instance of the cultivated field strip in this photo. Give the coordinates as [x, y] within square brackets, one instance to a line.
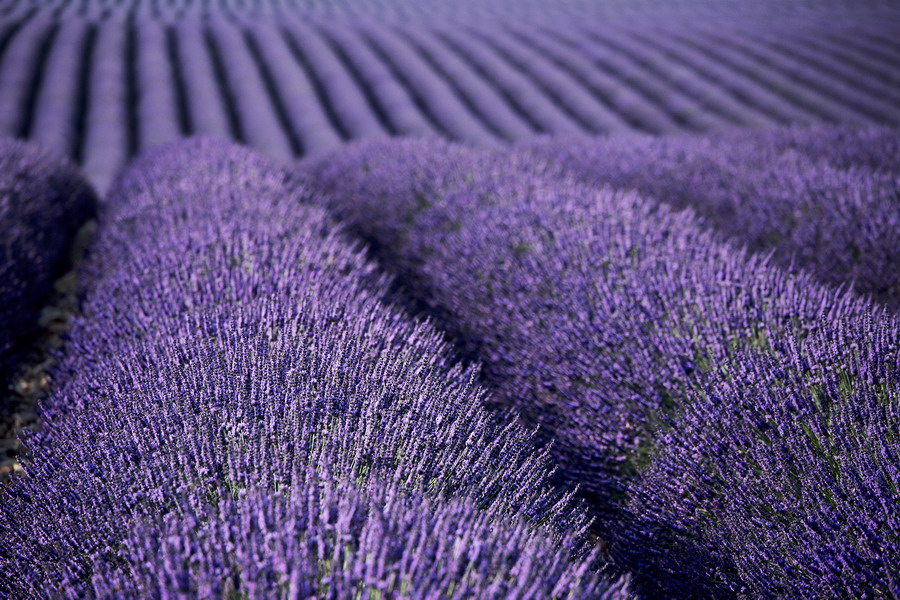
[101, 90]
[415, 9]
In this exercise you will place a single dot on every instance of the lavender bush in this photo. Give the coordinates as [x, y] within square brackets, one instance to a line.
[785, 464]
[598, 314]
[240, 413]
[43, 202]
[820, 199]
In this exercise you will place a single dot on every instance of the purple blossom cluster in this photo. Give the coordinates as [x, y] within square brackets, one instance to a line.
[785, 467]
[821, 199]
[43, 202]
[239, 413]
[873, 147]
[604, 318]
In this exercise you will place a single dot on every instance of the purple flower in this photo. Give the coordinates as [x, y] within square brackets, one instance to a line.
[600, 316]
[240, 412]
[43, 202]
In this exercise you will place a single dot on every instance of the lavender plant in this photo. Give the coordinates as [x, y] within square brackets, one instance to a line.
[820, 199]
[786, 463]
[239, 412]
[43, 202]
[598, 314]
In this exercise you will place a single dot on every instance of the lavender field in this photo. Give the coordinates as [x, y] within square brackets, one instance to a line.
[345, 299]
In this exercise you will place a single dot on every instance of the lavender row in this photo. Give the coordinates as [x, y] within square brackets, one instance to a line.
[638, 75]
[107, 123]
[821, 107]
[346, 99]
[872, 47]
[240, 414]
[245, 90]
[158, 115]
[564, 90]
[600, 316]
[661, 80]
[739, 98]
[486, 102]
[516, 87]
[850, 63]
[433, 92]
[821, 199]
[303, 110]
[821, 78]
[635, 107]
[43, 202]
[396, 102]
[207, 109]
[104, 88]
[780, 480]
[874, 148]
[327, 538]
[729, 96]
[55, 113]
[17, 71]
[407, 9]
